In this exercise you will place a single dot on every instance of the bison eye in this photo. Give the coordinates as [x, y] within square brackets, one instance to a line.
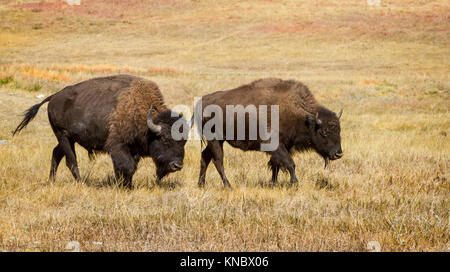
[323, 133]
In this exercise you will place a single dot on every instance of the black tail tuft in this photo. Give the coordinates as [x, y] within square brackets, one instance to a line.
[29, 115]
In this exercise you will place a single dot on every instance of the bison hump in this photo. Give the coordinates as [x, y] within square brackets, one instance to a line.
[128, 122]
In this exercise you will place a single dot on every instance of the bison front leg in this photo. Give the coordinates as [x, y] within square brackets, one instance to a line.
[124, 165]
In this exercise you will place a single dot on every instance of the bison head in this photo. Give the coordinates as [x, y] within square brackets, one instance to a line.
[325, 136]
[167, 153]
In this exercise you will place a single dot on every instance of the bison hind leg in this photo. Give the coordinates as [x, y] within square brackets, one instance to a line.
[275, 166]
[68, 147]
[280, 159]
[58, 154]
[204, 162]
[216, 148]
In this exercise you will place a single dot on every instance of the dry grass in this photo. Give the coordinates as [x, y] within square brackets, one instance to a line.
[386, 66]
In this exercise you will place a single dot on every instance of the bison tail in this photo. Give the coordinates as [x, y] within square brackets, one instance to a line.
[29, 115]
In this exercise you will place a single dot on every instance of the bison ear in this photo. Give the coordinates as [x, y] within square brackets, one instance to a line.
[152, 126]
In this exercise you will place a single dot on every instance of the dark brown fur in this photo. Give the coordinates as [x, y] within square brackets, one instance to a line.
[109, 114]
[299, 129]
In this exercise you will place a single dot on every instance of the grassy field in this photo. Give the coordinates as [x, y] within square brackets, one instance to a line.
[387, 67]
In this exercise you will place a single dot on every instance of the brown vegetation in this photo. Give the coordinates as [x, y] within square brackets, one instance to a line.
[386, 66]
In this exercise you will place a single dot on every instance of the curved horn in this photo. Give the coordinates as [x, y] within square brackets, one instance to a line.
[152, 126]
[339, 114]
[317, 119]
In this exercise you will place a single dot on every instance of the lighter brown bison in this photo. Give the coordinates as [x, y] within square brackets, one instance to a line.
[303, 124]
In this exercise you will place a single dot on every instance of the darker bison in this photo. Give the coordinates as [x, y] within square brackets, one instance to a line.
[303, 125]
[122, 115]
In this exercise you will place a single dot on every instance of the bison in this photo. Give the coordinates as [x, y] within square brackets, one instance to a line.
[303, 124]
[122, 115]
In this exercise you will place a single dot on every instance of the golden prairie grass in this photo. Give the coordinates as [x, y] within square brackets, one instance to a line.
[386, 66]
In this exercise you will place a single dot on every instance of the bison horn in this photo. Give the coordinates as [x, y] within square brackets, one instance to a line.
[152, 126]
[317, 119]
[339, 114]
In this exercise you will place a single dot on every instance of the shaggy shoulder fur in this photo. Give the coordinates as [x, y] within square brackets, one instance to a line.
[128, 121]
[303, 98]
[292, 91]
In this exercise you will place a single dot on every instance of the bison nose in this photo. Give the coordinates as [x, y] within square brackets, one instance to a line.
[339, 155]
[176, 165]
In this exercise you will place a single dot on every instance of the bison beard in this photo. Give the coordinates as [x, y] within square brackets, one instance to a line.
[113, 115]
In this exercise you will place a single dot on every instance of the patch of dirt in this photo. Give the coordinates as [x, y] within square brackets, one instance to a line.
[434, 20]
[295, 27]
[97, 8]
